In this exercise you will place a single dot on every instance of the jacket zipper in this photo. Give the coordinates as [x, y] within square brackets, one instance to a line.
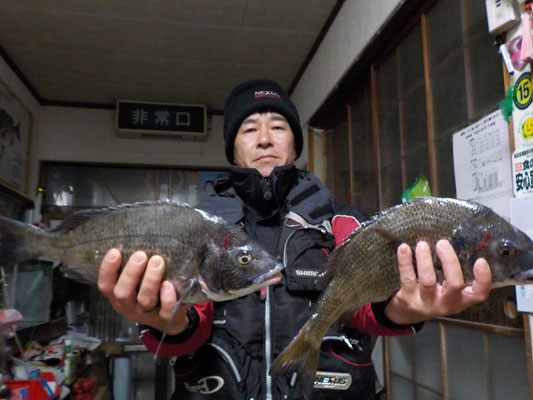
[268, 347]
[268, 336]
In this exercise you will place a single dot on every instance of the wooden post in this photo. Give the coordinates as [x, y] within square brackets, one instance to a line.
[433, 178]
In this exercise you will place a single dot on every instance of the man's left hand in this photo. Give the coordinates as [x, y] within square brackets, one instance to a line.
[424, 298]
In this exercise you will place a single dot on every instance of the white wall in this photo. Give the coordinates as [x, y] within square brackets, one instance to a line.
[88, 135]
[356, 24]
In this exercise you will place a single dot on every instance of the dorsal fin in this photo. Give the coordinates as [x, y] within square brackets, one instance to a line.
[74, 220]
[329, 270]
[330, 265]
[80, 217]
[388, 236]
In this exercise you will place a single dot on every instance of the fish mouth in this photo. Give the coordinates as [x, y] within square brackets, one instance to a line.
[270, 277]
[524, 276]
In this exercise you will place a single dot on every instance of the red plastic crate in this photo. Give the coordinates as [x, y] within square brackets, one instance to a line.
[37, 391]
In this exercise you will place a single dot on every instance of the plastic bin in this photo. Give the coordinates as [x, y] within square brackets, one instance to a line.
[37, 391]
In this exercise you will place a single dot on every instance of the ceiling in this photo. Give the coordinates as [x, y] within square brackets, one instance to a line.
[178, 51]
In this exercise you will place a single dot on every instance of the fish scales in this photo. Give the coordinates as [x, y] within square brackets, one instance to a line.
[366, 255]
[364, 268]
[131, 228]
[205, 257]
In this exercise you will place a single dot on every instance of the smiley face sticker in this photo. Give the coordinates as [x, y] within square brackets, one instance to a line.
[525, 134]
[527, 129]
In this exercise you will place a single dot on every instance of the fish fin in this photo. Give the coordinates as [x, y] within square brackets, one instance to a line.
[299, 356]
[388, 236]
[186, 289]
[395, 240]
[80, 217]
[329, 269]
[13, 245]
[76, 219]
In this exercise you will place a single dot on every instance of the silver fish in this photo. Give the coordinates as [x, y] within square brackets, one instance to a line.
[364, 268]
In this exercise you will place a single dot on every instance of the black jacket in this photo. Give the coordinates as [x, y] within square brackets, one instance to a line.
[290, 214]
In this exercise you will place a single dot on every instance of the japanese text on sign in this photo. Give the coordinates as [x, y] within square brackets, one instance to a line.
[481, 163]
[160, 117]
[522, 170]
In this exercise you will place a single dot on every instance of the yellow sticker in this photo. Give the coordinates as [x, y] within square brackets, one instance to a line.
[522, 98]
[527, 128]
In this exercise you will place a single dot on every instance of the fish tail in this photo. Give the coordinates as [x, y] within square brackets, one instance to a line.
[14, 246]
[300, 356]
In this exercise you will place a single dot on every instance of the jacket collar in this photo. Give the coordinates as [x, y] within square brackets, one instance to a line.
[294, 190]
[263, 196]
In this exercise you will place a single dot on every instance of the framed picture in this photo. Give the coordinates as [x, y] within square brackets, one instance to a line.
[15, 123]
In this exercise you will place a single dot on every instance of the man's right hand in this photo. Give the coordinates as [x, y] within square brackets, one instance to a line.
[139, 292]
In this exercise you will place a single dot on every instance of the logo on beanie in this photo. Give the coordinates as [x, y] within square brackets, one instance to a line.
[266, 93]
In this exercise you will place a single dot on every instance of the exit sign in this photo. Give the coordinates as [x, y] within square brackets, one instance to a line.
[140, 119]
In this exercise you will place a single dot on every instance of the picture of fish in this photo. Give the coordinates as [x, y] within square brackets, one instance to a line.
[205, 258]
[9, 132]
[364, 268]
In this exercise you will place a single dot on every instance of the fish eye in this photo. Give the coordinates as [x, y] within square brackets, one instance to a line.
[244, 258]
[506, 250]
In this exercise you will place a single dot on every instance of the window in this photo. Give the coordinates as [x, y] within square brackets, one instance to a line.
[364, 193]
[69, 187]
[338, 160]
[402, 121]
[443, 74]
[465, 78]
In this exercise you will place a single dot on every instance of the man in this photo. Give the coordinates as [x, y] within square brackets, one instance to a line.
[225, 350]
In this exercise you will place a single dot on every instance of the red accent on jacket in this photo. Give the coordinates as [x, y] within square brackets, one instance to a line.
[199, 337]
[342, 226]
[364, 320]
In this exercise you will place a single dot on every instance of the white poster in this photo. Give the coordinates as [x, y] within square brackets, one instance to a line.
[522, 172]
[482, 163]
[524, 298]
[522, 218]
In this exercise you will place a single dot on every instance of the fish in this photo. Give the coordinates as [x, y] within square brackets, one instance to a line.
[364, 268]
[8, 131]
[7, 127]
[206, 258]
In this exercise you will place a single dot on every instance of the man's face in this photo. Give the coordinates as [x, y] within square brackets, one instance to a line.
[264, 141]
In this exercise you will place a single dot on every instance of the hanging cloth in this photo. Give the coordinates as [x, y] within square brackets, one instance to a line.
[526, 51]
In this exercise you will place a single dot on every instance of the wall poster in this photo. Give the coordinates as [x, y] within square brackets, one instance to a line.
[15, 123]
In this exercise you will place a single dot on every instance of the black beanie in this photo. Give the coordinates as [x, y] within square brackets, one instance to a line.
[253, 96]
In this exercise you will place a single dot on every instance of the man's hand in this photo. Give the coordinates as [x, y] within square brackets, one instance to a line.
[141, 305]
[423, 298]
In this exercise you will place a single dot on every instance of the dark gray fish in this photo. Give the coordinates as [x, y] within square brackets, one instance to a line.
[364, 269]
[205, 257]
